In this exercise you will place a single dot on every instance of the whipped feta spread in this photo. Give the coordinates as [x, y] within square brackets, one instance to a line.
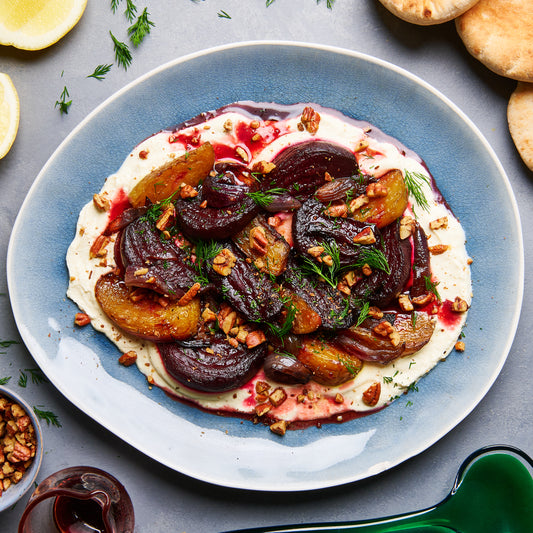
[450, 269]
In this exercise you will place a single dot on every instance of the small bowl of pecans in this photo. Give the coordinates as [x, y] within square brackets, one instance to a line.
[21, 448]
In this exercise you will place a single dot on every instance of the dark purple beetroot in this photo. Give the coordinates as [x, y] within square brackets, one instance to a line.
[421, 268]
[342, 189]
[124, 219]
[286, 369]
[213, 223]
[301, 168]
[224, 369]
[382, 287]
[224, 189]
[312, 228]
[151, 262]
[248, 290]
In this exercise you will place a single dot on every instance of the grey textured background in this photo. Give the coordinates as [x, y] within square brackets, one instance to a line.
[168, 501]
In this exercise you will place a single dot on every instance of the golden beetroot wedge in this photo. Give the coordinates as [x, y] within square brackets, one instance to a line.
[382, 210]
[416, 332]
[145, 317]
[329, 365]
[267, 249]
[306, 319]
[189, 169]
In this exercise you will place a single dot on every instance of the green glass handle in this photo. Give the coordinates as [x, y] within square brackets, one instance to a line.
[493, 491]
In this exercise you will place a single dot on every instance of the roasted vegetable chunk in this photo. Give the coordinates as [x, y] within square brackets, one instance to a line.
[189, 169]
[142, 315]
[301, 168]
[267, 249]
[212, 366]
[329, 365]
[155, 262]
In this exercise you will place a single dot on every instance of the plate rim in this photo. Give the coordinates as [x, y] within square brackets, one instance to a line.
[512, 327]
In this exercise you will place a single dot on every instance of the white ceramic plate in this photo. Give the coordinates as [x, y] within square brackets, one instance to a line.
[82, 364]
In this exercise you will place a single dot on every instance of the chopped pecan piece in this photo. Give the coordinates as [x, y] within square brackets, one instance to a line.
[82, 319]
[459, 305]
[98, 248]
[438, 249]
[128, 358]
[101, 202]
[405, 302]
[407, 227]
[264, 167]
[310, 119]
[279, 427]
[189, 295]
[460, 346]
[376, 190]
[258, 240]
[277, 397]
[365, 236]
[372, 394]
[224, 262]
[439, 223]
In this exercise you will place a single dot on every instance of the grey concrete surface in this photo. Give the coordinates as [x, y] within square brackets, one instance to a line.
[167, 501]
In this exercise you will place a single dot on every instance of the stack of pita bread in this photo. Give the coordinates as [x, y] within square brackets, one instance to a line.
[499, 33]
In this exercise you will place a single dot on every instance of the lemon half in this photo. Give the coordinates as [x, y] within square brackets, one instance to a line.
[36, 24]
[9, 114]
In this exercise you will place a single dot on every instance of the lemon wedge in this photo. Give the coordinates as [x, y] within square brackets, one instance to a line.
[9, 114]
[37, 24]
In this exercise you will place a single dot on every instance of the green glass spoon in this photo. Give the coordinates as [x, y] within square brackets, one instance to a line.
[493, 492]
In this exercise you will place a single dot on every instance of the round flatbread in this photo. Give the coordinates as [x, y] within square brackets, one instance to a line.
[520, 119]
[427, 12]
[499, 33]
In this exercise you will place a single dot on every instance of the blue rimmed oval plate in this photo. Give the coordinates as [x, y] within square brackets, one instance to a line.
[82, 364]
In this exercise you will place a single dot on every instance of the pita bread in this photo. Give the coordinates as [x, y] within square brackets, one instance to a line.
[520, 119]
[427, 12]
[499, 33]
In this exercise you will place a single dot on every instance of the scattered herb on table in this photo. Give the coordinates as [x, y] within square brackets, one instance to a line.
[223, 15]
[122, 52]
[131, 10]
[138, 31]
[100, 72]
[62, 103]
[48, 416]
[4, 380]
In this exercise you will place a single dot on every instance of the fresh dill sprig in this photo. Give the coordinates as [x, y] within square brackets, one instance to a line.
[329, 3]
[5, 380]
[205, 251]
[7, 344]
[37, 376]
[363, 313]
[414, 182]
[374, 258]
[48, 416]
[285, 328]
[223, 15]
[23, 380]
[138, 31]
[265, 198]
[62, 103]
[122, 52]
[269, 2]
[114, 5]
[131, 10]
[431, 286]
[100, 72]
[349, 366]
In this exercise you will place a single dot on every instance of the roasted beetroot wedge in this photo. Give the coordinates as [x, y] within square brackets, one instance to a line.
[301, 168]
[213, 366]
